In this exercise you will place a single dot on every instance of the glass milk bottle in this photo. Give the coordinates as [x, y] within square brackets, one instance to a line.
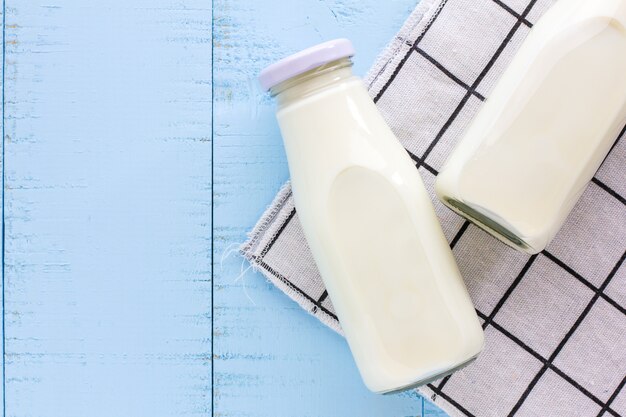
[546, 128]
[370, 225]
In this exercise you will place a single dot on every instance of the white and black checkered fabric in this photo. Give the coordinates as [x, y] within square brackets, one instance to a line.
[555, 322]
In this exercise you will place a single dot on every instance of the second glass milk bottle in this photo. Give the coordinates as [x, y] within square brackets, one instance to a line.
[546, 127]
[370, 224]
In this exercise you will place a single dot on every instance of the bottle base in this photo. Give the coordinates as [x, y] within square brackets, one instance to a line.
[416, 384]
[489, 225]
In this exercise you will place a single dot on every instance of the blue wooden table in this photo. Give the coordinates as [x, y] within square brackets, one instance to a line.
[137, 152]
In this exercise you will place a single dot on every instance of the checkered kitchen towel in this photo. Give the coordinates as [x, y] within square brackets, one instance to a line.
[555, 323]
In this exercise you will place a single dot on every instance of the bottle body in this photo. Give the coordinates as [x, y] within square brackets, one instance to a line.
[546, 128]
[376, 239]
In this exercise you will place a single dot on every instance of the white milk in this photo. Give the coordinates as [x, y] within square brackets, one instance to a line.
[373, 233]
[546, 128]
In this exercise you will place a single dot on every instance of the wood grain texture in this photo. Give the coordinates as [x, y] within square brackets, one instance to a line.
[2, 93]
[107, 123]
[107, 208]
[271, 359]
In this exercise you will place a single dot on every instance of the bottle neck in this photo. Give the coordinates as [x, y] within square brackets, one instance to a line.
[312, 81]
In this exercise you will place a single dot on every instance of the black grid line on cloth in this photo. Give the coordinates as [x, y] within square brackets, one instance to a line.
[459, 234]
[479, 79]
[566, 338]
[514, 13]
[609, 190]
[448, 73]
[449, 399]
[294, 287]
[441, 67]
[397, 70]
[274, 238]
[510, 290]
[620, 135]
[317, 304]
[612, 397]
[489, 320]
[470, 91]
[584, 281]
[320, 300]
[323, 297]
[522, 18]
[419, 162]
[550, 365]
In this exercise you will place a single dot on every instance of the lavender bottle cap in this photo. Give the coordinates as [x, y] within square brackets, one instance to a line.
[304, 61]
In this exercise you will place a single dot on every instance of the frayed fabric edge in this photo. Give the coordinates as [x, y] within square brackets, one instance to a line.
[268, 217]
[424, 10]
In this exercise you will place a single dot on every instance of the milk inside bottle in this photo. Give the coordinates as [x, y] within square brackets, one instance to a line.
[546, 127]
[370, 225]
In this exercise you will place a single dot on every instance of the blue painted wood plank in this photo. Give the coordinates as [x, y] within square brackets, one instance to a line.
[2, 83]
[271, 358]
[107, 208]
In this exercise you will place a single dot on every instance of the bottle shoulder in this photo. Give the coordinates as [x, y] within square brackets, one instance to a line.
[351, 87]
